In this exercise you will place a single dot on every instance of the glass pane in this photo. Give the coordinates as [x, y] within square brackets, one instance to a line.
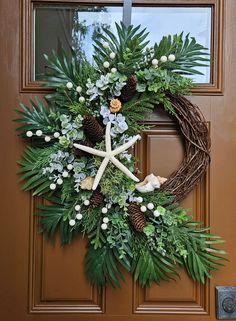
[66, 27]
[162, 21]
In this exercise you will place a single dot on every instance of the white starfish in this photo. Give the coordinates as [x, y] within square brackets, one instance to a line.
[109, 156]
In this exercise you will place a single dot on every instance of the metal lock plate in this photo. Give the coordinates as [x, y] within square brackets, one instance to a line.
[226, 302]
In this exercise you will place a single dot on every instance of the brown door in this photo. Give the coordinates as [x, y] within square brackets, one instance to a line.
[39, 280]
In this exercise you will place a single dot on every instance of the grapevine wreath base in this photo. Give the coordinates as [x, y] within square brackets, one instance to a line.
[197, 143]
[79, 159]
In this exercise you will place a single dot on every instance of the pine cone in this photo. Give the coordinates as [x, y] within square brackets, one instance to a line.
[79, 152]
[96, 199]
[129, 90]
[136, 217]
[92, 129]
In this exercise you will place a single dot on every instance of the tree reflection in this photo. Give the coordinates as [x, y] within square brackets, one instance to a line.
[86, 30]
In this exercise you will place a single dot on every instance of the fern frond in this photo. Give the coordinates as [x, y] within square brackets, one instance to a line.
[137, 109]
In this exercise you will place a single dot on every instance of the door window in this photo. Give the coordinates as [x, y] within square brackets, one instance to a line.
[52, 26]
[65, 27]
[162, 21]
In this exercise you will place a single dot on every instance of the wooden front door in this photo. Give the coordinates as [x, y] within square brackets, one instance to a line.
[41, 281]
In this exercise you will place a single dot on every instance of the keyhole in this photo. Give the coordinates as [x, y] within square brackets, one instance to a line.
[229, 305]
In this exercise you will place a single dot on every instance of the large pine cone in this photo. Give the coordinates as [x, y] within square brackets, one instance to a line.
[129, 90]
[96, 199]
[92, 129]
[79, 152]
[136, 217]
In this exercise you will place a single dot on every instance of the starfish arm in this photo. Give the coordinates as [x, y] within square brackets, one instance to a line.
[125, 170]
[125, 146]
[90, 150]
[108, 137]
[100, 172]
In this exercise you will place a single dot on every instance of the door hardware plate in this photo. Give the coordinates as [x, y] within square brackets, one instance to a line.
[226, 302]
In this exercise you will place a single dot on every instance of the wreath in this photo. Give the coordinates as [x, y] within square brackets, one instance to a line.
[79, 159]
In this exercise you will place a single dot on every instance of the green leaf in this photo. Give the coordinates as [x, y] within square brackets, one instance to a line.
[128, 46]
[32, 163]
[188, 54]
[150, 266]
[101, 266]
[64, 67]
[36, 117]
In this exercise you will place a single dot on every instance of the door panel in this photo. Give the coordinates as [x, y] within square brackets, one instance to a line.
[40, 280]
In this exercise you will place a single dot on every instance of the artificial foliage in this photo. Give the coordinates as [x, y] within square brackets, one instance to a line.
[92, 106]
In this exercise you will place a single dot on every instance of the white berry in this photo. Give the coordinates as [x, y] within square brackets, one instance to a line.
[77, 207]
[78, 89]
[106, 64]
[139, 199]
[56, 135]
[156, 213]
[163, 59]
[53, 186]
[29, 133]
[104, 210]
[154, 62]
[108, 206]
[79, 216]
[113, 70]
[81, 99]
[171, 57]
[143, 208]
[150, 206]
[72, 222]
[59, 181]
[105, 45]
[69, 167]
[39, 133]
[65, 174]
[105, 220]
[104, 226]
[69, 85]
[112, 55]
[86, 202]
[47, 139]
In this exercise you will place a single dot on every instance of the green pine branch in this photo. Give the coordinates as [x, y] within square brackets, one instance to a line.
[138, 108]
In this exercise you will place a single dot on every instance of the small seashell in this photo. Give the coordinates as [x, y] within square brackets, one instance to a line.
[162, 180]
[150, 183]
[87, 183]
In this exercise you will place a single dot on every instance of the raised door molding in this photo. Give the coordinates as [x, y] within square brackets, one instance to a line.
[57, 283]
[181, 296]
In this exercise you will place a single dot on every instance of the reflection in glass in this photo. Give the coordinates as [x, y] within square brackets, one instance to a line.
[162, 21]
[66, 27]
